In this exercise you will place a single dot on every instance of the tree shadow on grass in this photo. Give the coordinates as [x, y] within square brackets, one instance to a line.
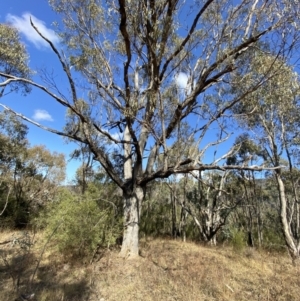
[20, 276]
[16, 267]
[76, 290]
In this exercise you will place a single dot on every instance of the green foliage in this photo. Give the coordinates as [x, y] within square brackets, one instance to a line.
[156, 219]
[29, 176]
[237, 240]
[218, 54]
[81, 226]
[13, 57]
[273, 240]
[12, 140]
[192, 232]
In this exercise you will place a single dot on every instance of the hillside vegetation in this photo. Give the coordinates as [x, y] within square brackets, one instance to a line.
[166, 270]
[182, 119]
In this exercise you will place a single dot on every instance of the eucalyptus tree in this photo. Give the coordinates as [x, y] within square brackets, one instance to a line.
[35, 180]
[13, 59]
[12, 142]
[210, 204]
[29, 176]
[147, 67]
[274, 125]
[248, 152]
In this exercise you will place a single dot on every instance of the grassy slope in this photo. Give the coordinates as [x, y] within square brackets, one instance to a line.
[166, 270]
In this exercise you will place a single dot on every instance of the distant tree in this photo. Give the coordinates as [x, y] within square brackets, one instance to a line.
[13, 61]
[148, 67]
[12, 142]
[84, 174]
[29, 176]
[209, 204]
[274, 125]
[249, 153]
[36, 181]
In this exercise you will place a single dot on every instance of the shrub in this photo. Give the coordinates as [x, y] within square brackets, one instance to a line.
[80, 226]
[237, 239]
[273, 240]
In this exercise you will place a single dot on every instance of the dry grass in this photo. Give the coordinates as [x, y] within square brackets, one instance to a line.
[166, 270]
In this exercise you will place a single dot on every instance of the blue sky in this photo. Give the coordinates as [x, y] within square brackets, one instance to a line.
[37, 105]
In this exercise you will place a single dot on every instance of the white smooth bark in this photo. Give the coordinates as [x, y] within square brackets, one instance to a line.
[132, 211]
[291, 245]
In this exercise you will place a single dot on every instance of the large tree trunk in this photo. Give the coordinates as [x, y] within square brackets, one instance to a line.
[132, 212]
[286, 229]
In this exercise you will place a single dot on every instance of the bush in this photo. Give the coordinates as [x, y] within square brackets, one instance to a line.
[17, 213]
[80, 226]
[237, 239]
[273, 240]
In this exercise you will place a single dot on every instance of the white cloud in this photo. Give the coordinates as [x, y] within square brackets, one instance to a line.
[24, 26]
[181, 80]
[42, 115]
[117, 136]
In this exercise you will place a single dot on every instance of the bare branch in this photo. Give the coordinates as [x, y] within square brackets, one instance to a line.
[250, 18]
[98, 153]
[64, 65]
[48, 129]
[123, 29]
[183, 170]
[187, 38]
